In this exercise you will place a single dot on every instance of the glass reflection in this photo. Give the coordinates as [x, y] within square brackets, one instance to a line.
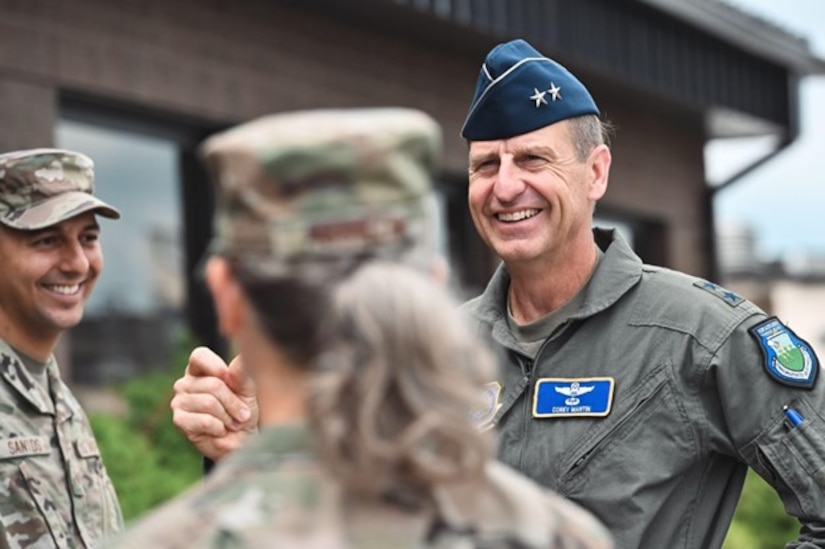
[134, 317]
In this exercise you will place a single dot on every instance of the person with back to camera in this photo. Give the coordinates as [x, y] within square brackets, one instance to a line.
[641, 393]
[370, 385]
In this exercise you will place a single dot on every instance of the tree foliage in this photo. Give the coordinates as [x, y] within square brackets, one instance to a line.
[148, 460]
[760, 521]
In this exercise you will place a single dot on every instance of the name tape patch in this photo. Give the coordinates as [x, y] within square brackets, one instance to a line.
[787, 358]
[573, 397]
[86, 447]
[17, 447]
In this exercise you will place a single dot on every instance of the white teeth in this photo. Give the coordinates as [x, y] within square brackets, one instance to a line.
[65, 290]
[518, 216]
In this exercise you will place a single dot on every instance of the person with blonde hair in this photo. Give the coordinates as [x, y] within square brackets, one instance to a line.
[369, 388]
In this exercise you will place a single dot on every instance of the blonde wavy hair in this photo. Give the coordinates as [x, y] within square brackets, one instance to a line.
[396, 375]
[394, 393]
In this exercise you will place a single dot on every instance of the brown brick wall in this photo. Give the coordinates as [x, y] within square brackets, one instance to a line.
[27, 113]
[658, 171]
[229, 61]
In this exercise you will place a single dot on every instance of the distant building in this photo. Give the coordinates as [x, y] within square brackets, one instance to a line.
[736, 248]
[792, 289]
[138, 84]
[800, 303]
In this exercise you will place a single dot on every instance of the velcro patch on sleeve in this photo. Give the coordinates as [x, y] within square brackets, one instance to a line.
[731, 298]
[788, 358]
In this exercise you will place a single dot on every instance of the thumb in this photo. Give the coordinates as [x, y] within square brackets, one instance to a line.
[239, 380]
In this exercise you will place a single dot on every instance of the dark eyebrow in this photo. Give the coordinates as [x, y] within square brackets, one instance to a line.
[541, 150]
[35, 233]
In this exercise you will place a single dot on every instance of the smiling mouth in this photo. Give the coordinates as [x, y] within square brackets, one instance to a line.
[520, 215]
[63, 289]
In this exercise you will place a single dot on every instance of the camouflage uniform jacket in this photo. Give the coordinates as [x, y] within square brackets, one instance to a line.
[661, 456]
[273, 493]
[43, 505]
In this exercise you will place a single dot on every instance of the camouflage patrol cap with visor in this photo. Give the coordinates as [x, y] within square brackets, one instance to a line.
[322, 185]
[42, 187]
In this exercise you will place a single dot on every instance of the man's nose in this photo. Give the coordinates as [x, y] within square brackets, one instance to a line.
[509, 183]
[73, 258]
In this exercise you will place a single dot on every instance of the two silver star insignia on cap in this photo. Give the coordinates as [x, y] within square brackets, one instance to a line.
[538, 96]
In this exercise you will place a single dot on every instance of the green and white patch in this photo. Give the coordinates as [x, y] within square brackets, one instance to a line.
[788, 358]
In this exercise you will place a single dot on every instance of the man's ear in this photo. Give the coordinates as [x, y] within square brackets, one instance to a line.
[599, 166]
[227, 295]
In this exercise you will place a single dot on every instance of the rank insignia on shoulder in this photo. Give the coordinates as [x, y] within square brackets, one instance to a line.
[573, 397]
[483, 418]
[788, 358]
[731, 298]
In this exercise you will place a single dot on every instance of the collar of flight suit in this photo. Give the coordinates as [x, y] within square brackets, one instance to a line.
[619, 270]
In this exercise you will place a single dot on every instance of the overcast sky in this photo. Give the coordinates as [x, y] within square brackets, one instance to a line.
[784, 200]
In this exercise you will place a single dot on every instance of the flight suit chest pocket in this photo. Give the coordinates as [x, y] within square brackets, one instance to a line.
[646, 441]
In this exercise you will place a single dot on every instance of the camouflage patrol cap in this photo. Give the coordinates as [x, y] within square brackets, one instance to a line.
[42, 187]
[323, 184]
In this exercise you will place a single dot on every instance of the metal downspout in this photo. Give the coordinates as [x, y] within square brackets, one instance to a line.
[710, 191]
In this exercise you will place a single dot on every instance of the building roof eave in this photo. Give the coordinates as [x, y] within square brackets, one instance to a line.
[746, 31]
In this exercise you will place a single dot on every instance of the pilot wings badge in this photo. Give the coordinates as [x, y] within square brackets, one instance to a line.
[573, 397]
[573, 392]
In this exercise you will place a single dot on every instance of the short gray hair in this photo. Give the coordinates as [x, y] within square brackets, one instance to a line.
[588, 132]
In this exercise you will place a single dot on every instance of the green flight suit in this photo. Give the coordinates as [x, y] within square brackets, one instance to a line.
[692, 407]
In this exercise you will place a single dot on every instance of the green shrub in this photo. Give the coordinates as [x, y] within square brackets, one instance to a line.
[148, 460]
[760, 521]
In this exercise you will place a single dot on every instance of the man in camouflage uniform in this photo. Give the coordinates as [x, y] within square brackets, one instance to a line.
[54, 490]
[315, 196]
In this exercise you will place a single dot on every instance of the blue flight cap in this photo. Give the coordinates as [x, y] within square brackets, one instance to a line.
[519, 90]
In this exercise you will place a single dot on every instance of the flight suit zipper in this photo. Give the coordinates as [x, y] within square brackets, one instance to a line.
[527, 369]
[527, 372]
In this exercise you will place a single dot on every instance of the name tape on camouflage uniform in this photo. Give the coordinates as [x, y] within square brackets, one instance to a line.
[787, 358]
[573, 397]
[87, 447]
[18, 447]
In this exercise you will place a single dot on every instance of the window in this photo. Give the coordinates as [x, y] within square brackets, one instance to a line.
[622, 227]
[647, 236]
[146, 301]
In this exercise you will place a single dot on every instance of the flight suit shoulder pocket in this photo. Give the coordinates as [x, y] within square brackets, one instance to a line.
[792, 459]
